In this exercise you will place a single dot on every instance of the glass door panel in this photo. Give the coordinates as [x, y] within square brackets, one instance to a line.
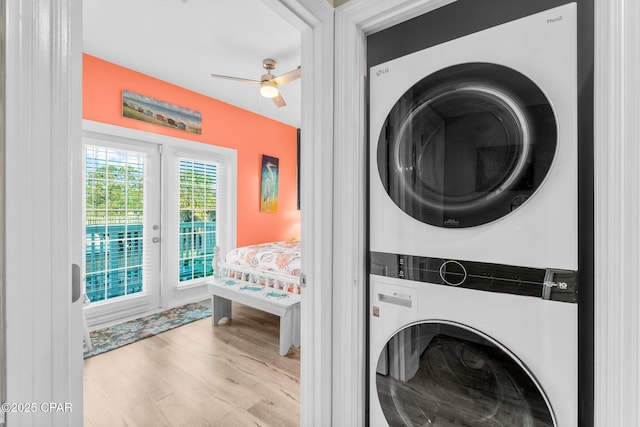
[121, 222]
[198, 203]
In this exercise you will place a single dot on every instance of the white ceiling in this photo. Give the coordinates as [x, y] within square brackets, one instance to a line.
[184, 41]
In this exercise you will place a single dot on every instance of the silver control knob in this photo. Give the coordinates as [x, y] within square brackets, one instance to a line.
[461, 273]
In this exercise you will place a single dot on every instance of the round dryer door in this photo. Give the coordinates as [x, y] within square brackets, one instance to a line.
[467, 145]
[443, 374]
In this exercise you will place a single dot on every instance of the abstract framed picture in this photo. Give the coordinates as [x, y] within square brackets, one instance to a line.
[269, 184]
[150, 110]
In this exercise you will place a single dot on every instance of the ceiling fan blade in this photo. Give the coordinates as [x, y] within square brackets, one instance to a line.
[238, 79]
[288, 77]
[279, 100]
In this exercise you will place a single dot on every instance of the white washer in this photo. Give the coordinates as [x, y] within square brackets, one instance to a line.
[442, 356]
[464, 132]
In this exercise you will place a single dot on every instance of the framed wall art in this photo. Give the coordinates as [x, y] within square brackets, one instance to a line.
[150, 110]
[269, 184]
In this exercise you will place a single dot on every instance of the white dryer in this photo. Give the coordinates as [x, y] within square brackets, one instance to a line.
[441, 357]
[473, 146]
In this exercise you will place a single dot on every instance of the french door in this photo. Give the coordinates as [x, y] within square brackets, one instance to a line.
[122, 228]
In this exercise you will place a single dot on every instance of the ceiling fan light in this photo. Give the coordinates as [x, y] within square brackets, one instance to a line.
[268, 89]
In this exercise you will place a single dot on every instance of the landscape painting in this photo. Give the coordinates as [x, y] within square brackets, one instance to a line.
[150, 110]
[269, 186]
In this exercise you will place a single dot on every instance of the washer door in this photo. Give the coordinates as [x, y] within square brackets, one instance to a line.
[444, 374]
[467, 145]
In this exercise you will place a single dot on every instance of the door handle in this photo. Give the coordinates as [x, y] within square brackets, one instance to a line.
[76, 283]
[401, 300]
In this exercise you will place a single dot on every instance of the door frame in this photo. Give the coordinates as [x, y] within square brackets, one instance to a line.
[617, 208]
[171, 149]
[43, 48]
[314, 20]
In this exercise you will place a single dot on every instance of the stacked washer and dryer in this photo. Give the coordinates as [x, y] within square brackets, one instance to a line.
[473, 236]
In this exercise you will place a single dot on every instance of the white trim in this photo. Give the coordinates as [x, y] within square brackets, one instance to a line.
[118, 143]
[617, 208]
[316, 156]
[3, 320]
[102, 313]
[349, 355]
[377, 15]
[107, 130]
[43, 95]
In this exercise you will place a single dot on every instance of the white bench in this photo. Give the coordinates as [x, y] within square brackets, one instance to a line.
[258, 289]
[275, 301]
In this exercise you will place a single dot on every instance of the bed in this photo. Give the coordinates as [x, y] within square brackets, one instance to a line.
[264, 276]
[273, 264]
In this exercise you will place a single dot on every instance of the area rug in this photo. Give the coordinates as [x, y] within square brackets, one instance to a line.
[125, 333]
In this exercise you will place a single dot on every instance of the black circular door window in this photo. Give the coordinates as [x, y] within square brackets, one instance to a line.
[467, 145]
[443, 374]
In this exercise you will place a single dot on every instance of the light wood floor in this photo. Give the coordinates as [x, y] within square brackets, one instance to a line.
[197, 375]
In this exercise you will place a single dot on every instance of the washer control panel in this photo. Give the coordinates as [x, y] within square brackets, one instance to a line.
[551, 284]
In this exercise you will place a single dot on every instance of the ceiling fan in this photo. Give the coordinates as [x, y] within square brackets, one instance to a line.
[268, 82]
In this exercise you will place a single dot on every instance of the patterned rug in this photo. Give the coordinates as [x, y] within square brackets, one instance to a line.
[135, 330]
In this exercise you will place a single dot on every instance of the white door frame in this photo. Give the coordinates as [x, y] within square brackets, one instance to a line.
[172, 149]
[617, 209]
[314, 19]
[43, 145]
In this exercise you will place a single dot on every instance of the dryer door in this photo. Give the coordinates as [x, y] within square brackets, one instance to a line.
[445, 374]
[467, 145]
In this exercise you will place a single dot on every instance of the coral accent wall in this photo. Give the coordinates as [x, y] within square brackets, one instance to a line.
[224, 125]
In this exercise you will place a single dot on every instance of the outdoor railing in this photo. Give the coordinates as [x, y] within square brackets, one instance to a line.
[115, 256]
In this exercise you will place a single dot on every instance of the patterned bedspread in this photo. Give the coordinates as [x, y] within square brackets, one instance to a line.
[281, 257]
